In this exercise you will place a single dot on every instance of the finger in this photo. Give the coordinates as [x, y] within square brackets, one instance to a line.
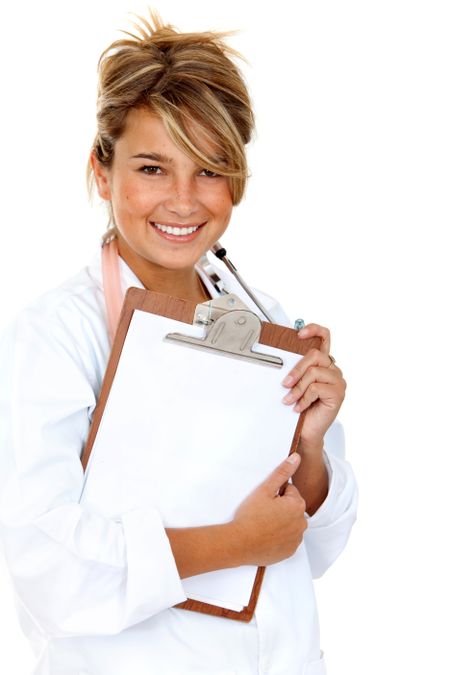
[313, 374]
[313, 358]
[314, 330]
[328, 394]
[281, 474]
[292, 492]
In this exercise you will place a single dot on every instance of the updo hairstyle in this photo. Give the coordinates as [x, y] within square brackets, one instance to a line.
[182, 78]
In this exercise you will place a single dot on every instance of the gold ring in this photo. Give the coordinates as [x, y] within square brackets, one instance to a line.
[332, 360]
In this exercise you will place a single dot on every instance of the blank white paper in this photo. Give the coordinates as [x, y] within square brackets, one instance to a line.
[190, 433]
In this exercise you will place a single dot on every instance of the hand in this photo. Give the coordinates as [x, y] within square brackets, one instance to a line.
[317, 388]
[269, 526]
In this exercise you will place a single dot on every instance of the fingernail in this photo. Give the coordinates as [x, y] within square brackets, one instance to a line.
[287, 399]
[288, 380]
[293, 458]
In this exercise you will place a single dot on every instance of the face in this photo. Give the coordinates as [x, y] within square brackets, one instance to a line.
[168, 210]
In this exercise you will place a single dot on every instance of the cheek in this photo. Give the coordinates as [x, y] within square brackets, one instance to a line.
[227, 209]
[132, 198]
[223, 206]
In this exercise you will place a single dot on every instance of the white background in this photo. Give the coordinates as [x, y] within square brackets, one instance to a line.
[343, 222]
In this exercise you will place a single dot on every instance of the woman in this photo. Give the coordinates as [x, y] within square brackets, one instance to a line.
[96, 596]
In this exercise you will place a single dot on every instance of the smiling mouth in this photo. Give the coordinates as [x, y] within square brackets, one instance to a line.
[177, 230]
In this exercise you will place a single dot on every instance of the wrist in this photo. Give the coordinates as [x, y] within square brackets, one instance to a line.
[312, 448]
[311, 479]
[204, 549]
[238, 540]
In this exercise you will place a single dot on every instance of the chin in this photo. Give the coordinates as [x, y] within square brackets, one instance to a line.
[175, 265]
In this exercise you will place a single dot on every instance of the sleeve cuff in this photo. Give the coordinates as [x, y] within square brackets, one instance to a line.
[153, 582]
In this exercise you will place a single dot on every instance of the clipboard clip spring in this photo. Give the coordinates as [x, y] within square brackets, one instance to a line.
[230, 329]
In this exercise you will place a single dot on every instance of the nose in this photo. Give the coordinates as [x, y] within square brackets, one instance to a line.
[183, 198]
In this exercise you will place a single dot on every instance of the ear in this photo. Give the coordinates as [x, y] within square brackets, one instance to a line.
[101, 175]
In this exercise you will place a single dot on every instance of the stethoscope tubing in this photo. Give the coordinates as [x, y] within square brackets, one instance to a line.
[112, 284]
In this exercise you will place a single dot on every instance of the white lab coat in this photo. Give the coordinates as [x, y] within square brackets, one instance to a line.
[94, 595]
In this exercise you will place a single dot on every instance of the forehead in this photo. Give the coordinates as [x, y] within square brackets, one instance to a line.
[145, 130]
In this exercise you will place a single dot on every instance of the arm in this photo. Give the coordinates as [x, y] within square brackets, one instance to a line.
[266, 528]
[74, 570]
[317, 390]
[77, 572]
[329, 528]
[326, 482]
[311, 479]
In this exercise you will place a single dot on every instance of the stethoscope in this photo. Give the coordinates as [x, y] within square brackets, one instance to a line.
[211, 274]
[113, 289]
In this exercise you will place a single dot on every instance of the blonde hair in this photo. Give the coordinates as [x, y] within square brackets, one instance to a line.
[183, 78]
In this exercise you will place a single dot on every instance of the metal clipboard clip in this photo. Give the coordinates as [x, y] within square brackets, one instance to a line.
[230, 328]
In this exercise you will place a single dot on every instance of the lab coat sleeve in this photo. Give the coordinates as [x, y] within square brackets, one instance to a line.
[329, 528]
[74, 571]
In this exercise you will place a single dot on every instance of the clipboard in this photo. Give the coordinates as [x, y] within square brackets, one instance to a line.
[141, 304]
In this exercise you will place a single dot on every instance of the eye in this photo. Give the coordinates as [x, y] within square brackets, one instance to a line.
[150, 169]
[209, 174]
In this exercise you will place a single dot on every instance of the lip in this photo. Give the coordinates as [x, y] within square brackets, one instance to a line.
[181, 238]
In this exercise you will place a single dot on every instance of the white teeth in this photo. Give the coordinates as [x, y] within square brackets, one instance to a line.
[177, 231]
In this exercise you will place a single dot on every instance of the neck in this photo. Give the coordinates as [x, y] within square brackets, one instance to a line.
[179, 283]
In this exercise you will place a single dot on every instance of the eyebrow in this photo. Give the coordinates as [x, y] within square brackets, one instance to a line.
[157, 157]
[153, 156]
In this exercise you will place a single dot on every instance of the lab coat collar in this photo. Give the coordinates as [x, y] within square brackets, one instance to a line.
[128, 277]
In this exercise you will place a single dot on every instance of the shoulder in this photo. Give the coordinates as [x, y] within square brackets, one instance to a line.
[66, 323]
[79, 295]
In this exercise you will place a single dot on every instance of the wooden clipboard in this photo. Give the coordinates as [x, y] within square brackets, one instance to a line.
[272, 335]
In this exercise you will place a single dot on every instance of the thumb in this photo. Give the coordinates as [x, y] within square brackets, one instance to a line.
[281, 474]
